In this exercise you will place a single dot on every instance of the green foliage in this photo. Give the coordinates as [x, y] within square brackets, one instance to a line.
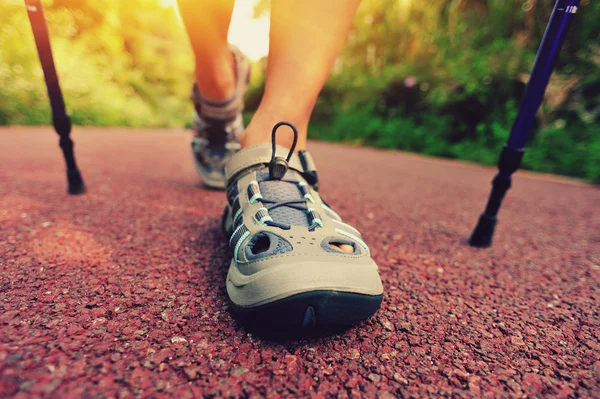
[443, 78]
[120, 63]
[467, 63]
[572, 154]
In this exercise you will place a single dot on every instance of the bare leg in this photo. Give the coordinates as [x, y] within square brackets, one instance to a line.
[306, 38]
[207, 24]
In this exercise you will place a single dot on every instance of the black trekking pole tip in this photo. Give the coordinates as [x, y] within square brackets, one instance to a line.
[484, 232]
[75, 181]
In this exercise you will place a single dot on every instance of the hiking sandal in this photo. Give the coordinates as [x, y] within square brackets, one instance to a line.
[219, 126]
[288, 269]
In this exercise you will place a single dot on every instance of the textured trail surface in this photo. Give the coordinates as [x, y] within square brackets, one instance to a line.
[121, 292]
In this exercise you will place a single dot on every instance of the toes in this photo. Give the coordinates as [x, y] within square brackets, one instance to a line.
[342, 247]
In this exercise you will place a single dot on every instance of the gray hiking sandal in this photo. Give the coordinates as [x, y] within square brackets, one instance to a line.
[219, 127]
[287, 270]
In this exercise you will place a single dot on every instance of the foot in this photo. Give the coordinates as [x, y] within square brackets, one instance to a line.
[219, 127]
[295, 264]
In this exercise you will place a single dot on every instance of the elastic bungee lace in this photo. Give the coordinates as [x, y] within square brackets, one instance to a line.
[277, 169]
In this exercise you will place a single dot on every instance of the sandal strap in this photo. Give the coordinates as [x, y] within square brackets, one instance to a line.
[261, 155]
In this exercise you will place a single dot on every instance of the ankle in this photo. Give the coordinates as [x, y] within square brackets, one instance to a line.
[259, 132]
[273, 110]
[216, 77]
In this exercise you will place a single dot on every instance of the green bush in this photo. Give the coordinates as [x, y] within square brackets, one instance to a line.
[466, 79]
[443, 79]
[110, 75]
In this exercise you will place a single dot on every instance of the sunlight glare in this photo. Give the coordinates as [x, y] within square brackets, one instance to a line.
[250, 34]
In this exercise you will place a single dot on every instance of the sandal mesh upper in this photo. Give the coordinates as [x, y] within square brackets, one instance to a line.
[283, 191]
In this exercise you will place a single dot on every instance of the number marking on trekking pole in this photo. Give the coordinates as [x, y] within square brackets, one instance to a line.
[570, 9]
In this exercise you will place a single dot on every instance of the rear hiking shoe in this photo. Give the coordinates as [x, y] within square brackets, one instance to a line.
[219, 126]
[287, 270]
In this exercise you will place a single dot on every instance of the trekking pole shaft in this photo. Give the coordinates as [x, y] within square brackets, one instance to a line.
[512, 154]
[60, 119]
[554, 37]
[35, 11]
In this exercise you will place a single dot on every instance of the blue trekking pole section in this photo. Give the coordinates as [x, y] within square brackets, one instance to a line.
[60, 118]
[512, 154]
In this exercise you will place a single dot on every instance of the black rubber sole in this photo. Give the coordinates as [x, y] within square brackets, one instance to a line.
[310, 312]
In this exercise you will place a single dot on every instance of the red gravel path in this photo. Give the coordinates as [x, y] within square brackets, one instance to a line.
[120, 292]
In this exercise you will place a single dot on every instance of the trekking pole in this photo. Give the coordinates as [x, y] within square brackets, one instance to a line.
[60, 118]
[512, 154]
